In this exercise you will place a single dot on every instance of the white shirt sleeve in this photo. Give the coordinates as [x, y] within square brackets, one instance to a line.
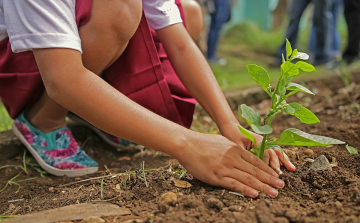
[161, 13]
[41, 24]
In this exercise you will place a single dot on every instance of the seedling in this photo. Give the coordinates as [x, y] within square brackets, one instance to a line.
[284, 89]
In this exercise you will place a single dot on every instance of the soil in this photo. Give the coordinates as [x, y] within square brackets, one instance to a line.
[309, 196]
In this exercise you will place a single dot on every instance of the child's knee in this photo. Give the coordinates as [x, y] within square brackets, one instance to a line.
[193, 17]
[106, 35]
[126, 17]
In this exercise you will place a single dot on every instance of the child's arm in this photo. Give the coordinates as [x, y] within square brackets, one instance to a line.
[210, 158]
[197, 76]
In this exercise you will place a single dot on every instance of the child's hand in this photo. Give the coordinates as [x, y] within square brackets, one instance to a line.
[220, 162]
[274, 158]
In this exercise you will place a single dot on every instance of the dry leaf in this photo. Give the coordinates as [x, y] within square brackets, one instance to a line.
[182, 184]
[123, 158]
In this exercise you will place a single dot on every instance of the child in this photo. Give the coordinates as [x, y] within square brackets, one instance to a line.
[116, 43]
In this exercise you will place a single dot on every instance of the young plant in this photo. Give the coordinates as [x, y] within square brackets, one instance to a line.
[284, 89]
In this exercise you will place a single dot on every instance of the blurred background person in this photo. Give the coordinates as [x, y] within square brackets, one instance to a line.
[335, 40]
[220, 13]
[352, 17]
[322, 16]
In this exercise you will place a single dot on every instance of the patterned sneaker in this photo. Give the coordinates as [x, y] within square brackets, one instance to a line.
[108, 138]
[56, 152]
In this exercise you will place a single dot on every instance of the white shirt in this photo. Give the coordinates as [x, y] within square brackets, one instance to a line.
[31, 24]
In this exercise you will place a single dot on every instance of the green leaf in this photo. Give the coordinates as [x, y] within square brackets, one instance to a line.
[294, 54]
[259, 75]
[283, 102]
[284, 81]
[266, 129]
[305, 66]
[304, 114]
[351, 149]
[297, 87]
[289, 69]
[290, 110]
[247, 134]
[301, 56]
[250, 115]
[296, 137]
[288, 49]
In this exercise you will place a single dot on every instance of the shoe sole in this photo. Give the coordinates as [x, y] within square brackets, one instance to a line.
[47, 167]
[100, 134]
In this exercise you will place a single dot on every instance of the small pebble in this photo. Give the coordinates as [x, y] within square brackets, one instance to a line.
[268, 202]
[321, 163]
[291, 215]
[338, 204]
[215, 203]
[320, 194]
[309, 152]
[234, 208]
[168, 198]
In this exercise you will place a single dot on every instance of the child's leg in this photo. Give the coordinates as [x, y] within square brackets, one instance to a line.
[193, 18]
[46, 115]
[104, 38]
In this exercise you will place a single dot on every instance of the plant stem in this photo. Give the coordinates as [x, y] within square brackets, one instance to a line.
[291, 93]
[262, 146]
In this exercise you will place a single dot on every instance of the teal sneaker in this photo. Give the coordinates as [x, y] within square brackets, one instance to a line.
[57, 152]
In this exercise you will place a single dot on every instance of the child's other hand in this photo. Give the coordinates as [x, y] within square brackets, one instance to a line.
[274, 158]
[220, 162]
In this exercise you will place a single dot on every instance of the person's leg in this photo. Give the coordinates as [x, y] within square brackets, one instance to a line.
[218, 19]
[335, 36]
[312, 42]
[352, 16]
[297, 8]
[193, 18]
[336, 41]
[103, 38]
[322, 22]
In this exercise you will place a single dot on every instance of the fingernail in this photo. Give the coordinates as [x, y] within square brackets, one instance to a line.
[275, 174]
[273, 193]
[279, 183]
[279, 171]
[292, 165]
[254, 194]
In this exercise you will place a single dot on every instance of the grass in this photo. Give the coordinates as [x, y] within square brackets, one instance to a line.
[246, 44]
[101, 188]
[5, 217]
[5, 120]
[13, 180]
